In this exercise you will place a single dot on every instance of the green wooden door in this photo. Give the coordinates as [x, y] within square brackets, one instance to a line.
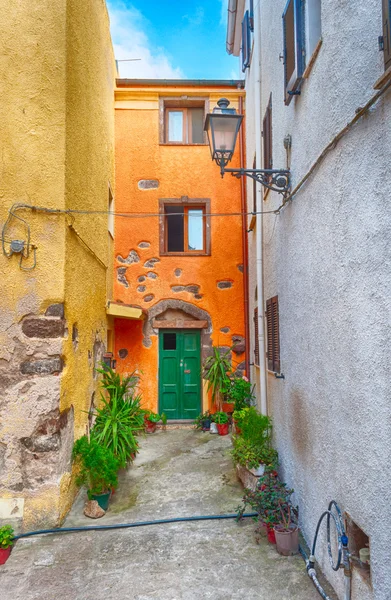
[179, 373]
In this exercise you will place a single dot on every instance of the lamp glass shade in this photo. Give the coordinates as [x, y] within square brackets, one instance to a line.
[222, 132]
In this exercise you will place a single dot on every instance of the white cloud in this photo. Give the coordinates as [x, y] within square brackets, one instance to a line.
[223, 12]
[130, 41]
[197, 18]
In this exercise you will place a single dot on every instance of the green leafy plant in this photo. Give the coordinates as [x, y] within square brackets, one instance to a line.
[240, 415]
[164, 419]
[6, 536]
[97, 466]
[249, 455]
[256, 428]
[201, 418]
[240, 392]
[122, 386]
[220, 417]
[272, 501]
[216, 368]
[153, 417]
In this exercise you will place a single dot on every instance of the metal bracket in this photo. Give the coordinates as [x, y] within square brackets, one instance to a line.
[277, 180]
[279, 375]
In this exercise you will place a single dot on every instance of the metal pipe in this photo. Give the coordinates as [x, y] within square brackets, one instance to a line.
[244, 245]
[256, 65]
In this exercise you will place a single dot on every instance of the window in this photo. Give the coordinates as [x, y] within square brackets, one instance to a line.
[386, 33]
[273, 335]
[251, 15]
[182, 120]
[254, 186]
[313, 33]
[256, 338]
[246, 41]
[293, 21]
[267, 140]
[110, 218]
[185, 226]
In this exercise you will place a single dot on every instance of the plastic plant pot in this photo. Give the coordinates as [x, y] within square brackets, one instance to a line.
[237, 429]
[213, 428]
[271, 536]
[206, 424]
[150, 426]
[223, 428]
[287, 541]
[102, 499]
[4, 555]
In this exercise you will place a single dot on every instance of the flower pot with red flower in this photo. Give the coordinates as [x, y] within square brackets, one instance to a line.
[151, 420]
[6, 542]
[222, 422]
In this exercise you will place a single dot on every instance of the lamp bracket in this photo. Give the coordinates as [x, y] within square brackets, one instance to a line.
[277, 180]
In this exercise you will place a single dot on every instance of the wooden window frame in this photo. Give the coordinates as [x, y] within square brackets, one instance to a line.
[292, 86]
[386, 16]
[267, 141]
[273, 335]
[180, 104]
[186, 203]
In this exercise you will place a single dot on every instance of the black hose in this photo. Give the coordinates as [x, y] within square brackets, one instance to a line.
[128, 525]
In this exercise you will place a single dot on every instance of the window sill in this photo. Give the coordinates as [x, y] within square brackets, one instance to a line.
[383, 79]
[182, 144]
[312, 60]
[184, 253]
[277, 375]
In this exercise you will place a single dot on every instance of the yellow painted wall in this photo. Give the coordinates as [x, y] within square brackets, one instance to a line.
[57, 78]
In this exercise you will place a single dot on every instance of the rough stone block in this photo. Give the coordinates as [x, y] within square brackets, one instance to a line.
[240, 268]
[123, 353]
[44, 366]
[42, 443]
[141, 278]
[224, 285]
[55, 310]
[150, 264]
[178, 272]
[141, 288]
[225, 330]
[148, 184]
[148, 298]
[144, 245]
[238, 344]
[132, 257]
[93, 510]
[152, 275]
[43, 327]
[121, 276]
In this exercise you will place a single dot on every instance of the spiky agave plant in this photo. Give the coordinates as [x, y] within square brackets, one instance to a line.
[216, 368]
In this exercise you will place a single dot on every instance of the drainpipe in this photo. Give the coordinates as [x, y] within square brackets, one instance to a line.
[259, 225]
[244, 245]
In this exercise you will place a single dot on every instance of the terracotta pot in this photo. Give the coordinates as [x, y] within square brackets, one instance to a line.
[238, 431]
[271, 536]
[287, 541]
[4, 555]
[223, 428]
[228, 407]
[150, 426]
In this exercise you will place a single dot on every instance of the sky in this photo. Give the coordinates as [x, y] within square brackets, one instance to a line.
[175, 39]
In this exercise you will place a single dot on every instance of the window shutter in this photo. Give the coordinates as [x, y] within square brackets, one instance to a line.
[246, 41]
[251, 15]
[273, 335]
[276, 335]
[387, 33]
[267, 137]
[293, 39]
[269, 321]
[256, 341]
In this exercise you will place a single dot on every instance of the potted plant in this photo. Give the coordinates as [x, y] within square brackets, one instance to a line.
[151, 420]
[255, 458]
[203, 421]
[222, 422]
[286, 530]
[238, 416]
[97, 469]
[164, 421]
[240, 392]
[6, 542]
[216, 369]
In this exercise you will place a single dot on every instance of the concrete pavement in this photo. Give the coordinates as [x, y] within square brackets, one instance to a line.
[180, 472]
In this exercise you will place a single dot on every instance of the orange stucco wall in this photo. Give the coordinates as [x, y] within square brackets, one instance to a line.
[181, 171]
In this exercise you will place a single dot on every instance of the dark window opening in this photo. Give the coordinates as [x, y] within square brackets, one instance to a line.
[246, 41]
[267, 140]
[256, 338]
[175, 228]
[169, 341]
[184, 125]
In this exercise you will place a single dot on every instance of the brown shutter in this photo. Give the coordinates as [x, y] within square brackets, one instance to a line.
[256, 340]
[273, 335]
[269, 321]
[387, 33]
[276, 335]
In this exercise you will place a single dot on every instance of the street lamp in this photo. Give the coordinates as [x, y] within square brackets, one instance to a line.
[222, 127]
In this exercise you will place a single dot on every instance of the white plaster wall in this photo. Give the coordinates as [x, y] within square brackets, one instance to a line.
[327, 257]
